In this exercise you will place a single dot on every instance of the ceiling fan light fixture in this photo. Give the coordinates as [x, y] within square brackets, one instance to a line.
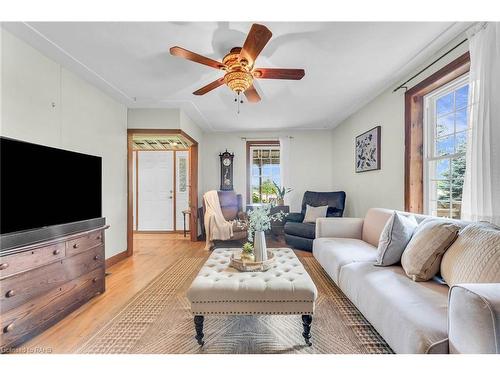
[238, 81]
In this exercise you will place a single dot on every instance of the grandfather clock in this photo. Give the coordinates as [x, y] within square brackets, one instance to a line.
[226, 171]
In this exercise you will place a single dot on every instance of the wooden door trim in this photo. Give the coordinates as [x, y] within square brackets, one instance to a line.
[414, 129]
[193, 191]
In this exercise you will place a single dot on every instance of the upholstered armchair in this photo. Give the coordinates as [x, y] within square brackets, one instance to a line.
[301, 235]
[231, 205]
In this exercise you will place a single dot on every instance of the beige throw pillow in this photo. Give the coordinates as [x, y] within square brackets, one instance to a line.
[312, 213]
[422, 256]
[474, 257]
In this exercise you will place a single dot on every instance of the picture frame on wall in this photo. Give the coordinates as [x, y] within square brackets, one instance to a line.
[367, 148]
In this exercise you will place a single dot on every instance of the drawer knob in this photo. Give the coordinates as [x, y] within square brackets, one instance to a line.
[9, 328]
[97, 257]
[75, 246]
[94, 280]
[98, 237]
[10, 293]
[4, 266]
[56, 252]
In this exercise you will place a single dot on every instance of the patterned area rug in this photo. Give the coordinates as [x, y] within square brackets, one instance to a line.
[158, 320]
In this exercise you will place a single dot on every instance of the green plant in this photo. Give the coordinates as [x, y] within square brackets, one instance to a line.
[248, 248]
[259, 219]
[281, 191]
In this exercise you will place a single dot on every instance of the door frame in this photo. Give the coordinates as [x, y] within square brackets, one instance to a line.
[193, 182]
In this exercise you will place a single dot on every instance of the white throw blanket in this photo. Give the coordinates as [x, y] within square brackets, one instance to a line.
[216, 226]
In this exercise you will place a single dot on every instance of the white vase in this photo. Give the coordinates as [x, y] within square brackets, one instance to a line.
[259, 246]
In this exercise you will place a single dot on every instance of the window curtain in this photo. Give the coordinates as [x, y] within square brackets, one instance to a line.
[285, 164]
[481, 191]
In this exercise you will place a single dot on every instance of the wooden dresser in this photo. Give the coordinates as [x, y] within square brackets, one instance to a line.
[42, 283]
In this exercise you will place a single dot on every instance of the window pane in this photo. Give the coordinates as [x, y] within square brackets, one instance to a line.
[444, 125]
[462, 97]
[442, 169]
[461, 120]
[443, 190]
[456, 189]
[443, 208]
[444, 104]
[456, 209]
[458, 167]
[461, 142]
[445, 145]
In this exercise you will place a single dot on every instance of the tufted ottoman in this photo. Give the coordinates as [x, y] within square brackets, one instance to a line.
[285, 289]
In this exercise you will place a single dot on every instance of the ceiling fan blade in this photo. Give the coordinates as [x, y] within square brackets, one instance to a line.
[252, 94]
[272, 73]
[209, 87]
[256, 40]
[181, 52]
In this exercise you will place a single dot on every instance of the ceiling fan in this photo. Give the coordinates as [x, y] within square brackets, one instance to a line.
[238, 65]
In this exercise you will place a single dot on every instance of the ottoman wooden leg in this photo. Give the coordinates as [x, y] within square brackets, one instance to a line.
[198, 325]
[306, 323]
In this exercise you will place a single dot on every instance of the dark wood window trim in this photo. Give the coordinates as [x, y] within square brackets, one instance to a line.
[414, 129]
[249, 162]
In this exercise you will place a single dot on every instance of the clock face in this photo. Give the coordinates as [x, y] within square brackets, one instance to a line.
[226, 162]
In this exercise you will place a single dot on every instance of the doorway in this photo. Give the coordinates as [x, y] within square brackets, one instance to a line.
[162, 183]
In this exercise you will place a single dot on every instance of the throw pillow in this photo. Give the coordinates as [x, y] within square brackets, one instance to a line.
[474, 257]
[422, 256]
[394, 238]
[312, 213]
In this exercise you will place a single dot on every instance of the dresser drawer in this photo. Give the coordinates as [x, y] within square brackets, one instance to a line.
[84, 243]
[18, 289]
[27, 260]
[31, 318]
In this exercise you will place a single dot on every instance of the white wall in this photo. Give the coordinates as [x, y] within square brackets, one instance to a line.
[153, 118]
[310, 161]
[82, 119]
[385, 187]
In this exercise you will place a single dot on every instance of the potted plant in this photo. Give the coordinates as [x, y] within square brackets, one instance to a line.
[259, 220]
[281, 192]
[247, 253]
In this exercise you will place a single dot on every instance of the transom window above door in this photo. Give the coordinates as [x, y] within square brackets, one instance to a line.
[446, 133]
[263, 163]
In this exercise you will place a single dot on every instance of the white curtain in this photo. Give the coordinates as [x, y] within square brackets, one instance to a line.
[481, 191]
[285, 164]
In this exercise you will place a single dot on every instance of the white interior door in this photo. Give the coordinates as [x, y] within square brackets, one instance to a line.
[155, 190]
[182, 188]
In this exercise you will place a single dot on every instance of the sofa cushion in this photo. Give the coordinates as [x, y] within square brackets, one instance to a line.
[412, 317]
[422, 257]
[307, 230]
[334, 253]
[394, 238]
[375, 220]
[474, 257]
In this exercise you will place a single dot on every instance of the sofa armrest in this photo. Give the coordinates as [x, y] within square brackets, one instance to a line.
[296, 217]
[342, 227]
[474, 318]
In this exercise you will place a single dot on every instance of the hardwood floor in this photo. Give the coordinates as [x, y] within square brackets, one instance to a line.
[153, 253]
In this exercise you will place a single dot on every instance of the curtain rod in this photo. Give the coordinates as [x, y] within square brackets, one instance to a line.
[264, 138]
[428, 66]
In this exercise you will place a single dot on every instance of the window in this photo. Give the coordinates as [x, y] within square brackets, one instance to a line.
[263, 163]
[445, 138]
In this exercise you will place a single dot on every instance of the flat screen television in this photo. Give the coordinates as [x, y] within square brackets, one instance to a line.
[42, 186]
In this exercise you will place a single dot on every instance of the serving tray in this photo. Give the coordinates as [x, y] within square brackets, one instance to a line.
[246, 266]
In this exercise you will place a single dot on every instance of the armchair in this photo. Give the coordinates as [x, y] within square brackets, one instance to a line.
[301, 235]
[231, 205]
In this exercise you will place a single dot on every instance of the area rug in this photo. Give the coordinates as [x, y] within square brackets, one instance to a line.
[158, 320]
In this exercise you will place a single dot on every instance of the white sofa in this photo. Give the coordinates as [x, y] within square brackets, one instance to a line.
[413, 317]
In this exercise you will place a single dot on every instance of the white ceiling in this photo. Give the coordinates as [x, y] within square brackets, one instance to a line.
[346, 63]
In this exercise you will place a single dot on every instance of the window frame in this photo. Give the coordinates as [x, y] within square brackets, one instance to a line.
[414, 129]
[430, 137]
[250, 144]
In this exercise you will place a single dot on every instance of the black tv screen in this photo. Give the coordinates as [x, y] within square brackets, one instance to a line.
[43, 186]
